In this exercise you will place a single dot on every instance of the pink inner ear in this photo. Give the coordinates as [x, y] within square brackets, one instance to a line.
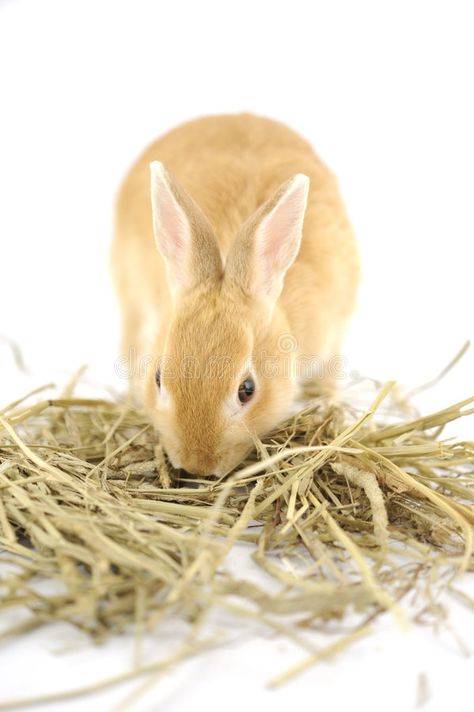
[281, 232]
[278, 236]
[173, 227]
[170, 224]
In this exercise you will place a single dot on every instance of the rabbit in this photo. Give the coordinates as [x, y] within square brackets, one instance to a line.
[237, 273]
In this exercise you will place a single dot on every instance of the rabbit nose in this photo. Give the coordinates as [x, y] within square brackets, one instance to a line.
[198, 463]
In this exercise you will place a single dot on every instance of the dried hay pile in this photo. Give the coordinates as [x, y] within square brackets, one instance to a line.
[346, 512]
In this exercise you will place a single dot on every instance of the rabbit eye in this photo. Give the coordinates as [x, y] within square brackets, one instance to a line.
[246, 390]
[158, 378]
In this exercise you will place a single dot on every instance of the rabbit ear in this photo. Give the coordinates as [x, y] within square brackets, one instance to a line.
[182, 233]
[269, 241]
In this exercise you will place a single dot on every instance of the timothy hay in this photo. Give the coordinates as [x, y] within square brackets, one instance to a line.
[345, 512]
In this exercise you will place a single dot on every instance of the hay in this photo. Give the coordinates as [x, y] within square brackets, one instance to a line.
[345, 513]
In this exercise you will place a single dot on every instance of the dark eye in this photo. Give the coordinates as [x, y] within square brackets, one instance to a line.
[158, 378]
[246, 390]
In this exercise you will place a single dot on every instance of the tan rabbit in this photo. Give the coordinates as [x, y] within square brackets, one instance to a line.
[235, 302]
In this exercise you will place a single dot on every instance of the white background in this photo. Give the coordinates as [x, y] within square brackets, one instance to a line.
[384, 90]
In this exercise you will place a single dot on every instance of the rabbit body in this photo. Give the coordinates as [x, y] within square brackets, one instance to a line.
[222, 275]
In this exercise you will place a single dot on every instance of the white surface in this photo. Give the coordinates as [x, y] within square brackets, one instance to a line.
[384, 91]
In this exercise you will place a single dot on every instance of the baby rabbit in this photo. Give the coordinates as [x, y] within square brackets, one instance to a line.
[236, 282]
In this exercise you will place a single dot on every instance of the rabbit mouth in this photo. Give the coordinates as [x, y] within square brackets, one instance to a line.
[188, 480]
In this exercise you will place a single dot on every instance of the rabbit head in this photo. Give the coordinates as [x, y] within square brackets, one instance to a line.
[220, 376]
